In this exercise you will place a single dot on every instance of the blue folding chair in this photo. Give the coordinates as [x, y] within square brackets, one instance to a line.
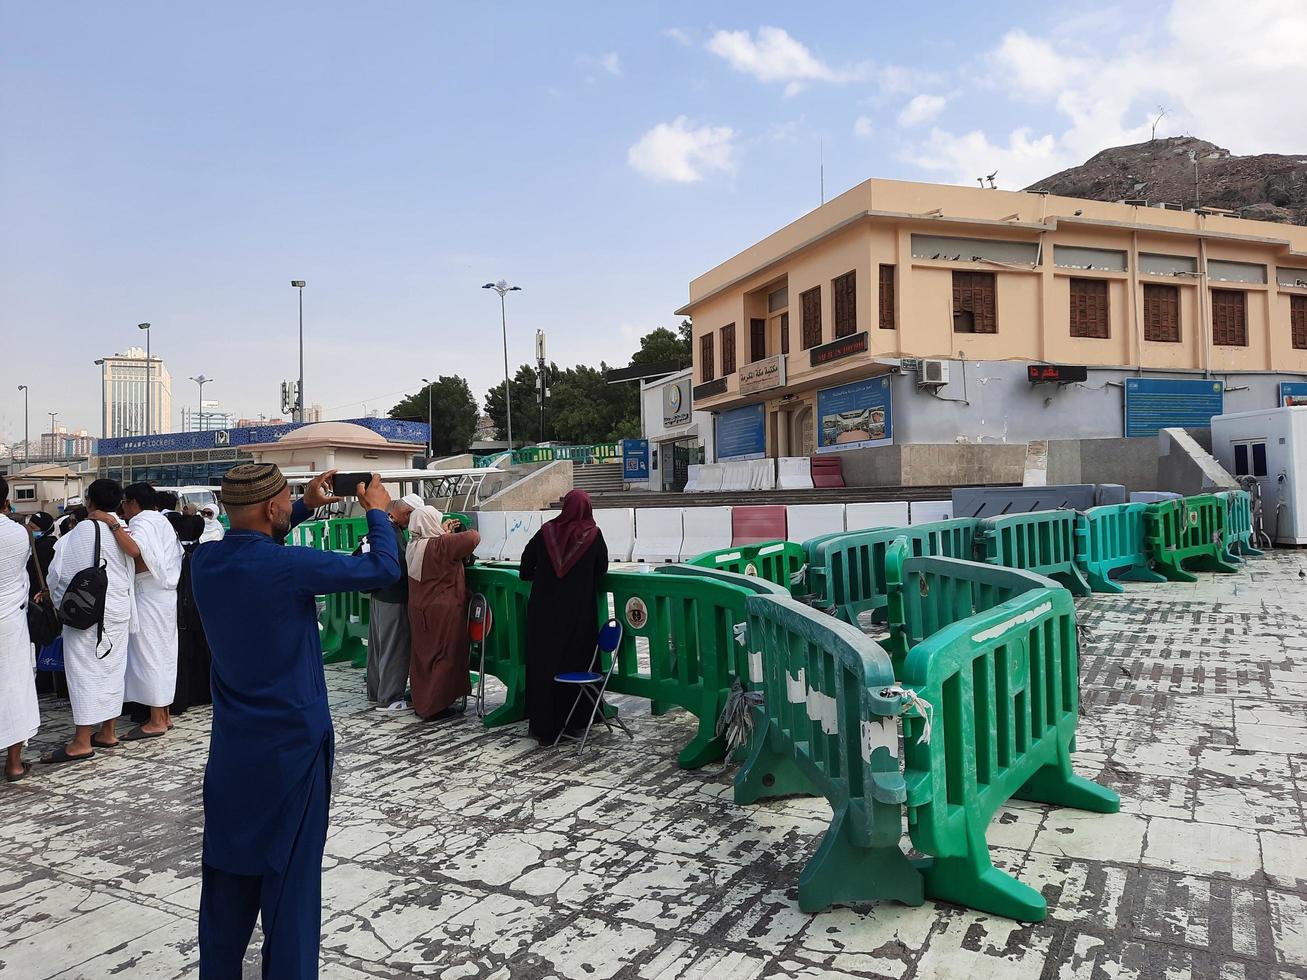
[593, 683]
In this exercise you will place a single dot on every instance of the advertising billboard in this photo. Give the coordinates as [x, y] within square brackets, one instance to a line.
[855, 415]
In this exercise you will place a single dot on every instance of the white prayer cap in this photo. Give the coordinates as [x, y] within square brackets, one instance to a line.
[413, 500]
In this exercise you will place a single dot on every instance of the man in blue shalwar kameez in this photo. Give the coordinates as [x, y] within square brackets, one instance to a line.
[268, 782]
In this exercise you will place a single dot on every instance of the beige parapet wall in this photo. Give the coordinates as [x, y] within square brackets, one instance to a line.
[535, 491]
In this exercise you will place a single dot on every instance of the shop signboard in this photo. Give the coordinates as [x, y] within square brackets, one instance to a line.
[855, 415]
[676, 403]
[763, 375]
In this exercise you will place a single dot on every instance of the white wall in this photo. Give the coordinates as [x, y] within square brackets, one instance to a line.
[651, 415]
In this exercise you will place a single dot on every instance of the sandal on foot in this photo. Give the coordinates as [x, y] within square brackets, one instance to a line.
[99, 743]
[138, 734]
[60, 755]
[13, 777]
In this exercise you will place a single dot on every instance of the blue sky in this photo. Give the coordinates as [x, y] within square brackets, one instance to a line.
[180, 163]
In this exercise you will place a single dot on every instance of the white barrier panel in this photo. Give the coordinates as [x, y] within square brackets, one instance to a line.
[658, 534]
[692, 478]
[705, 529]
[519, 527]
[807, 521]
[925, 511]
[793, 473]
[861, 517]
[736, 476]
[710, 477]
[618, 527]
[492, 528]
[764, 474]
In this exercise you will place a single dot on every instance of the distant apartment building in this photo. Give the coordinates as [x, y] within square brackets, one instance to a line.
[207, 418]
[907, 312]
[123, 383]
[260, 421]
[62, 444]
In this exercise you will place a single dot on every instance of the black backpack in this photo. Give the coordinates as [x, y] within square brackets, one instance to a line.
[83, 602]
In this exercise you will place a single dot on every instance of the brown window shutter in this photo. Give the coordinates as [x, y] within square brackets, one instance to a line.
[886, 303]
[1089, 308]
[728, 349]
[757, 339]
[1161, 313]
[810, 306]
[1229, 318]
[1298, 321]
[845, 292]
[785, 333]
[974, 302]
[705, 358]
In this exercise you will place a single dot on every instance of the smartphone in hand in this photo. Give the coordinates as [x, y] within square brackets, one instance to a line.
[347, 484]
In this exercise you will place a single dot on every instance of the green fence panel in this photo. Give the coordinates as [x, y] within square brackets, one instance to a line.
[1043, 542]
[1003, 686]
[684, 626]
[344, 626]
[310, 534]
[780, 562]
[1187, 534]
[345, 533]
[1112, 538]
[753, 583]
[829, 727]
[927, 594]
[847, 571]
[1239, 524]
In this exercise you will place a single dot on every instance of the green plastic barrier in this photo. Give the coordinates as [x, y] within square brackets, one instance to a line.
[828, 727]
[687, 621]
[926, 594]
[1043, 542]
[1003, 686]
[847, 571]
[1110, 539]
[1188, 532]
[310, 534]
[344, 626]
[345, 533]
[780, 562]
[1239, 524]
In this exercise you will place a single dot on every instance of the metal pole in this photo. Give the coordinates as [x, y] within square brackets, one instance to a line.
[299, 395]
[508, 393]
[104, 405]
[431, 443]
[147, 381]
[27, 446]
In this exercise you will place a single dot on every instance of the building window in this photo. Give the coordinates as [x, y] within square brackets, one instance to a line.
[1250, 459]
[1089, 308]
[810, 313]
[24, 493]
[845, 293]
[785, 333]
[728, 349]
[778, 299]
[886, 301]
[974, 307]
[757, 339]
[1229, 318]
[705, 358]
[1298, 321]
[1162, 313]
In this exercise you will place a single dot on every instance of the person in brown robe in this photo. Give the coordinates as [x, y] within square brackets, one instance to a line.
[437, 612]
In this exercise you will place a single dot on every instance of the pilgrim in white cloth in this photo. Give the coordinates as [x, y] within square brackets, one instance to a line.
[19, 715]
[213, 529]
[95, 659]
[151, 677]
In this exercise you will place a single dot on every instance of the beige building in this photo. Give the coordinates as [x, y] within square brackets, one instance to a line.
[989, 282]
[45, 486]
[123, 382]
[340, 446]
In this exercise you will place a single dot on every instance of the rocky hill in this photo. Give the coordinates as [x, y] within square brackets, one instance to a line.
[1268, 187]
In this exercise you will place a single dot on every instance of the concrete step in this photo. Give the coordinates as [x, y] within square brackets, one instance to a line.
[736, 498]
[598, 478]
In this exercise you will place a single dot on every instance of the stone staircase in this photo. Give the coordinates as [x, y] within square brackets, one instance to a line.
[598, 478]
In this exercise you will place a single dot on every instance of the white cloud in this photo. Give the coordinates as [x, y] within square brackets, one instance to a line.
[1101, 91]
[922, 109]
[611, 63]
[678, 35]
[673, 151]
[863, 128]
[771, 55]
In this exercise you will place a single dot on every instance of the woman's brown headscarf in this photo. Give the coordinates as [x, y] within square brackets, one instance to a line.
[569, 535]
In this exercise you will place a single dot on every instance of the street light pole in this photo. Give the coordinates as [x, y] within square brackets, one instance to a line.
[503, 288]
[299, 396]
[201, 380]
[430, 437]
[52, 415]
[104, 411]
[27, 446]
[146, 328]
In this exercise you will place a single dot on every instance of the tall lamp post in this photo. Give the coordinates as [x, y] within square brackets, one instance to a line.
[430, 436]
[53, 434]
[104, 405]
[299, 396]
[201, 380]
[27, 447]
[503, 289]
[146, 328]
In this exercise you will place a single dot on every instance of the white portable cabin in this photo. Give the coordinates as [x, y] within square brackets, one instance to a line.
[1270, 445]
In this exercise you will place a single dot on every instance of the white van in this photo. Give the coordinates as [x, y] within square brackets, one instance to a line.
[199, 496]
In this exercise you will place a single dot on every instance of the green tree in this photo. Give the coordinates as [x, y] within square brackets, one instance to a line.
[453, 413]
[526, 410]
[662, 346]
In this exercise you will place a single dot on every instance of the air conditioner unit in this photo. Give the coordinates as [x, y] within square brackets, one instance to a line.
[932, 373]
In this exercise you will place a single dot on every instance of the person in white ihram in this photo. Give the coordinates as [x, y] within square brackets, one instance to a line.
[19, 714]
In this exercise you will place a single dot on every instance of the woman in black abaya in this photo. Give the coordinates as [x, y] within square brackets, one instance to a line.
[565, 563]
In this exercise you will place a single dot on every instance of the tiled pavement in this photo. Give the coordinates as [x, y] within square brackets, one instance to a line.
[461, 853]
